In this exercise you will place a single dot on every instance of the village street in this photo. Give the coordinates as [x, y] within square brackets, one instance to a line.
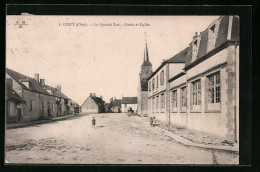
[117, 139]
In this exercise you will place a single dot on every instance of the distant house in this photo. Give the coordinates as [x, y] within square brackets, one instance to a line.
[115, 105]
[129, 104]
[107, 107]
[40, 100]
[93, 104]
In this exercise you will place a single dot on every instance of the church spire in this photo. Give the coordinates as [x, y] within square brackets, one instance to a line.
[146, 56]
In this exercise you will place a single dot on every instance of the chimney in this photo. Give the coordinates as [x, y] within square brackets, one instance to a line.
[36, 77]
[94, 94]
[42, 82]
[114, 98]
[195, 36]
[59, 87]
[101, 97]
[90, 94]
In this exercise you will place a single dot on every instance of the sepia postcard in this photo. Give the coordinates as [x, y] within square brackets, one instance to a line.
[122, 89]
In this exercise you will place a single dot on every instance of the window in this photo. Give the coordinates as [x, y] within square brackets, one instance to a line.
[212, 37]
[157, 81]
[214, 91]
[52, 106]
[153, 84]
[183, 98]
[30, 106]
[149, 86]
[196, 93]
[174, 100]
[157, 104]
[162, 102]
[162, 77]
[195, 47]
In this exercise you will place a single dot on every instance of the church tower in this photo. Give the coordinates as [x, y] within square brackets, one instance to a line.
[146, 71]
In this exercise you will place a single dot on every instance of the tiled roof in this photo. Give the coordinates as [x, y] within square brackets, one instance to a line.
[99, 101]
[129, 100]
[116, 102]
[34, 85]
[56, 92]
[180, 57]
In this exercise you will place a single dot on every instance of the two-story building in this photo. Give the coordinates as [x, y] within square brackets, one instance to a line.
[203, 94]
[40, 100]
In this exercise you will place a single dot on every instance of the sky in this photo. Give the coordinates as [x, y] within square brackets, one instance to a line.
[95, 54]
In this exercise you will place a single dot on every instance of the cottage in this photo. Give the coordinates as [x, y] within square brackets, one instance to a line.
[129, 104]
[202, 94]
[146, 71]
[93, 104]
[13, 103]
[39, 102]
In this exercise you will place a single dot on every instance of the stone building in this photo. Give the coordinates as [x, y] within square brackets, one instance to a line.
[146, 71]
[129, 104]
[93, 104]
[203, 94]
[40, 101]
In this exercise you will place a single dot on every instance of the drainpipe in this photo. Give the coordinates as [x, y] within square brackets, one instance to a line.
[235, 106]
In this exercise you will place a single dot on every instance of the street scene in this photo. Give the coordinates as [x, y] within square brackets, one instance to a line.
[117, 138]
[122, 89]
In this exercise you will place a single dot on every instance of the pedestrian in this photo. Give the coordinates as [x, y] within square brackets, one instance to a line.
[151, 121]
[154, 121]
[93, 122]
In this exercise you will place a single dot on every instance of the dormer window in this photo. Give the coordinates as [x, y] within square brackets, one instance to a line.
[212, 35]
[195, 49]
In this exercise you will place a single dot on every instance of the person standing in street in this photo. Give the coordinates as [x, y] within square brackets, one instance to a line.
[154, 121]
[93, 122]
[151, 121]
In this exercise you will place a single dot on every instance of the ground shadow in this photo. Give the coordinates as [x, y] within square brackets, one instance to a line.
[101, 126]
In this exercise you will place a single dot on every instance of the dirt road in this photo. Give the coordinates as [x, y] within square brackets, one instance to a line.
[116, 139]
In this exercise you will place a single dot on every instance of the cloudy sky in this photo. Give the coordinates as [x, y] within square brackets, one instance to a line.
[83, 56]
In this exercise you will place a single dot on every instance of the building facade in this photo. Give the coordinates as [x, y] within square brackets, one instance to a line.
[93, 104]
[203, 95]
[146, 71]
[39, 102]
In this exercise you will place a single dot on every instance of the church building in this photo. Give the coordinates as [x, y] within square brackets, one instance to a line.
[146, 71]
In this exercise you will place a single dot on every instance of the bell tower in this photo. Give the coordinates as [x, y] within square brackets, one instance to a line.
[146, 69]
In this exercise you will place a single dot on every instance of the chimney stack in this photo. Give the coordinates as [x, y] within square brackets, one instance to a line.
[94, 94]
[36, 77]
[59, 87]
[90, 94]
[195, 36]
[42, 82]
[101, 97]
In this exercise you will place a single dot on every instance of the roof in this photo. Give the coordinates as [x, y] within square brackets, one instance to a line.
[129, 100]
[116, 102]
[180, 57]
[98, 100]
[34, 85]
[56, 92]
[12, 95]
[146, 57]
[220, 39]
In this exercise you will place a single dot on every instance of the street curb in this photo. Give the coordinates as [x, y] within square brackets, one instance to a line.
[198, 145]
[39, 122]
